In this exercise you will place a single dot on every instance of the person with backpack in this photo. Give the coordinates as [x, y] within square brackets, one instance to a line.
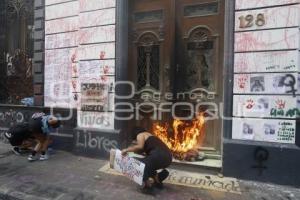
[41, 127]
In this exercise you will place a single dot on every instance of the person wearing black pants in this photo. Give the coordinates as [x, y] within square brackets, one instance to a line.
[158, 156]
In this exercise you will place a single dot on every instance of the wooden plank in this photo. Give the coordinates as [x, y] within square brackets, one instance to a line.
[97, 51]
[62, 10]
[96, 68]
[277, 61]
[97, 34]
[97, 18]
[87, 5]
[278, 17]
[246, 4]
[265, 106]
[279, 131]
[96, 120]
[61, 25]
[61, 40]
[279, 39]
[277, 83]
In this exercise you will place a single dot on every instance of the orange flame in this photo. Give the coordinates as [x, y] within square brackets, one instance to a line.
[186, 135]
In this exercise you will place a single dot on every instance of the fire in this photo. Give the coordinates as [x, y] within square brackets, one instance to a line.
[186, 136]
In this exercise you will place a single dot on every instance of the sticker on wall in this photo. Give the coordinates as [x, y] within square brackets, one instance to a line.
[267, 40]
[276, 83]
[274, 61]
[265, 106]
[280, 131]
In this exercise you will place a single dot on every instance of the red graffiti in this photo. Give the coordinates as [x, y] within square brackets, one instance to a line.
[102, 55]
[250, 104]
[280, 104]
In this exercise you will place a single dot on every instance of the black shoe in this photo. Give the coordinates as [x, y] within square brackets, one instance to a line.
[161, 177]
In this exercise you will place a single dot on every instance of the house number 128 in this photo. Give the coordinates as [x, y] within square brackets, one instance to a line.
[248, 21]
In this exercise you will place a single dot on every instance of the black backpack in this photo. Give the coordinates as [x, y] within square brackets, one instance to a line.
[17, 134]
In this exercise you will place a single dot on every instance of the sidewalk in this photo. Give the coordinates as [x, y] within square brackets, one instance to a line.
[69, 177]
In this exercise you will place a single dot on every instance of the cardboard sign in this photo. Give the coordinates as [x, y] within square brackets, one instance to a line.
[130, 167]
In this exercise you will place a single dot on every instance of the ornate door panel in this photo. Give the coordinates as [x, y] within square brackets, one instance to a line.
[199, 57]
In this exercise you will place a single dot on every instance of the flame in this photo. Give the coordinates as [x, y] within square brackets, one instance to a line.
[186, 135]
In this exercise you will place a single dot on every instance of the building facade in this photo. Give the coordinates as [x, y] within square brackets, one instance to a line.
[108, 65]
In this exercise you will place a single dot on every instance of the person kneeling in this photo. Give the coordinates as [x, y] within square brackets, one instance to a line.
[41, 128]
[158, 156]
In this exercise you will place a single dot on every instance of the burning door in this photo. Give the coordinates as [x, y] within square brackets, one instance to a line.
[177, 47]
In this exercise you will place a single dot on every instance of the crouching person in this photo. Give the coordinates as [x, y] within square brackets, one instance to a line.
[41, 127]
[20, 137]
[158, 156]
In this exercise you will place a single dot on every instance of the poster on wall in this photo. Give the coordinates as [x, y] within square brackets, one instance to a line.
[268, 83]
[94, 97]
[279, 131]
[265, 106]
[273, 61]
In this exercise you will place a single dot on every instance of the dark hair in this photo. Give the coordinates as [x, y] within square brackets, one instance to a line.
[135, 131]
[57, 124]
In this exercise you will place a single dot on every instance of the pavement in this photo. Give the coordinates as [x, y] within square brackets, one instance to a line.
[69, 177]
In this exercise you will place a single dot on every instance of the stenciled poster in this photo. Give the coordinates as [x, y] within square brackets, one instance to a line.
[282, 131]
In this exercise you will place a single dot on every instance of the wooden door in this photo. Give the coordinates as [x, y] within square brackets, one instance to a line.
[177, 46]
[199, 58]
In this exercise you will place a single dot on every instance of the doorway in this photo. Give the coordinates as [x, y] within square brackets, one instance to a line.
[176, 46]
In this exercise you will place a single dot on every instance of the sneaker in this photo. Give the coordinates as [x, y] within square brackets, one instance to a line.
[16, 150]
[32, 158]
[44, 157]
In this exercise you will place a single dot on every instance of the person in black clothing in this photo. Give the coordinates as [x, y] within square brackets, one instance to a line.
[158, 156]
[20, 137]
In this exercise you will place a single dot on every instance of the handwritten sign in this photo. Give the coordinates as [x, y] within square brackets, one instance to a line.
[267, 40]
[287, 16]
[265, 106]
[130, 167]
[274, 61]
[281, 131]
[94, 97]
[266, 83]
